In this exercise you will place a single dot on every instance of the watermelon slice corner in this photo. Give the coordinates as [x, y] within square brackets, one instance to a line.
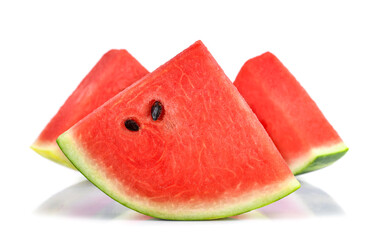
[52, 152]
[318, 158]
[180, 144]
[300, 131]
[116, 70]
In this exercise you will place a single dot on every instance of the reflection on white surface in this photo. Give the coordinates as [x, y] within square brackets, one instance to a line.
[306, 202]
[85, 200]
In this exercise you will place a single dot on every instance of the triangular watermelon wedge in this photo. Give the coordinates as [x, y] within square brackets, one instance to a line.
[298, 128]
[115, 71]
[181, 143]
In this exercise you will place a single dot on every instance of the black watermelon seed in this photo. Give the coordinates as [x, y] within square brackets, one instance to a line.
[156, 110]
[131, 125]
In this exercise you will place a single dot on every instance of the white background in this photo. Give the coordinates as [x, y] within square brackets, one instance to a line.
[47, 48]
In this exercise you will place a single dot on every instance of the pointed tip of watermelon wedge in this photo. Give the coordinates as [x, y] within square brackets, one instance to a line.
[319, 158]
[95, 175]
[53, 153]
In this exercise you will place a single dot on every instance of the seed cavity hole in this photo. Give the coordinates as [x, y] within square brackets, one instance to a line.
[157, 110]
[131, 125]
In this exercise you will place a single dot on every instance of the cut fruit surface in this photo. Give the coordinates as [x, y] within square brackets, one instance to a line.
[180, 144]
[298, 128]
[115, 71]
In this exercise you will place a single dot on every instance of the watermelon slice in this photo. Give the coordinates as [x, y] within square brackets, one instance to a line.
[181, 143]
[115, 71]
[298, 128]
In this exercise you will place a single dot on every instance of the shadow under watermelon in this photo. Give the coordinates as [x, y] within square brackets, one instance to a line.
[84, 200]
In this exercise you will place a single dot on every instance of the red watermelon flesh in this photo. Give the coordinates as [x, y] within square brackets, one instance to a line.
[205, 156]
[115, 71]
[298, 128]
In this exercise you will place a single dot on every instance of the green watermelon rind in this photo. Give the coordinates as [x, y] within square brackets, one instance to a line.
[78, 158]
[53, 153]
[319, 158]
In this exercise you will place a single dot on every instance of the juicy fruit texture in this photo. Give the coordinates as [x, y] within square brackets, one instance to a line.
[298, 128]
[205, 156]
[115, 71]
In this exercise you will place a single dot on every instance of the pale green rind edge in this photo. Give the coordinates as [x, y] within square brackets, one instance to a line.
[320, 158]
[78, 159]
[52, 153]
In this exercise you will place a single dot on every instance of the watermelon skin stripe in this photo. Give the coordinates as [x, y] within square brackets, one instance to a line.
[318, 158]
[249, 202]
